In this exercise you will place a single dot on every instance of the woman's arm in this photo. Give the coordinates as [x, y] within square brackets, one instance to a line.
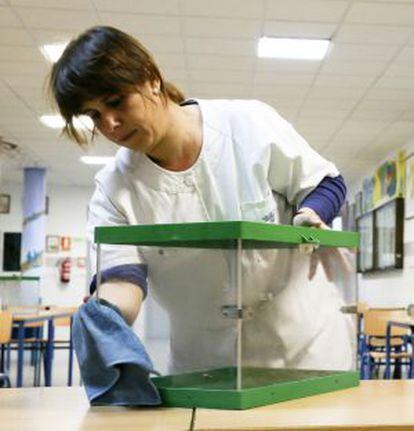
[126, 296]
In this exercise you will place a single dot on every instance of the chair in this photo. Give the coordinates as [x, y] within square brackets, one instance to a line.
[373, 341]
[63, 343]
[6, 323]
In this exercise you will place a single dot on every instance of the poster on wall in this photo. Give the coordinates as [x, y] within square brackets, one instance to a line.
[4, 203]
[52, 243]
[389, 180]
[368, 186]
[409, 187]
[65, 243]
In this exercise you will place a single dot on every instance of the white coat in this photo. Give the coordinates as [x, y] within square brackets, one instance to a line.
[253, 166]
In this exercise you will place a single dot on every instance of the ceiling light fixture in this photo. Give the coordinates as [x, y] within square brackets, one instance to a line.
[55, 121]
[52, 52]
[299, 49]
[96, 160]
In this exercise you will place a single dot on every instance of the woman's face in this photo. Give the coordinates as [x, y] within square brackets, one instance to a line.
[135, 120]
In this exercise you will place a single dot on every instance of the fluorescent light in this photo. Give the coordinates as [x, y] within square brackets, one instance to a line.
[303, 49]
[53, 121]
[52, 52]
[96, 160]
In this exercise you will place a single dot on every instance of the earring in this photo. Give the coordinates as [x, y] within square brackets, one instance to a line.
[156, 91]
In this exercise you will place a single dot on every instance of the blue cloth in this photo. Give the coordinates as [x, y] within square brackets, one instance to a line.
[135, 273]
[327, 198]
[114, 364]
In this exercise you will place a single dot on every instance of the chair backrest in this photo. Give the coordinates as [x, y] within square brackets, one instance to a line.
[6, 324]
[361, 307]
[376, 319]
[64, 321]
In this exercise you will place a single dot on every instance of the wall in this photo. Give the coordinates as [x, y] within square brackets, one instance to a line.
[394, 288]
[67, 217]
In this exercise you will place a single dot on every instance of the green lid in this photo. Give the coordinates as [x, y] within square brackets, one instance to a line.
[223, 235]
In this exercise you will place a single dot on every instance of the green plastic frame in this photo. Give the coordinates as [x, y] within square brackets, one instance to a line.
[223, 235]
[188, 390]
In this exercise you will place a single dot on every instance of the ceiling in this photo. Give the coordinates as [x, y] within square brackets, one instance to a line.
[354, 107]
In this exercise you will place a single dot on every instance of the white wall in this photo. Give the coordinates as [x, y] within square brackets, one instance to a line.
[394, 288]
[67, 217]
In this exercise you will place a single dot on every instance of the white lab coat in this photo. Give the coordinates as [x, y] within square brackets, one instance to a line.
[253, 166]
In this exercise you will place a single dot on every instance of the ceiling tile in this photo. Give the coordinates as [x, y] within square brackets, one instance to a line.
[43, 37]
[220, 27]
[144, 24]
[356, 81]
[381, 13]
[294, 92]
[161, 44]
[221, 46]
[37, 70]
[345, 52]
[60, 4]
[203, 75]
[399, 82]
[219, 91]
[283, 78]
[406, 55]
[162, 7]
[20, 54]
[375, 114]
[391, 94]
[373, 34]
[298, 29]
[229, 8]
[305, 10]
[8, 18]
[329, 103]
[173, 61]
[57, 18]
[286, 66]
[362, 68]
[220, 62]
[15, 36]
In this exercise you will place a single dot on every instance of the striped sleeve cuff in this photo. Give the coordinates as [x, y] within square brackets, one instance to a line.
[135, 273]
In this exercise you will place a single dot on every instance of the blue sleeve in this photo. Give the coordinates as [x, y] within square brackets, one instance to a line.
[133, 273]
[327, 198]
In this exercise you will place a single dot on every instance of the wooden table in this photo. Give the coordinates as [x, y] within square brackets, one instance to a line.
[385, 405]
[20, 319]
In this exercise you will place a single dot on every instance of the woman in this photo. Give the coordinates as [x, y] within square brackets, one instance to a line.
[198, 160]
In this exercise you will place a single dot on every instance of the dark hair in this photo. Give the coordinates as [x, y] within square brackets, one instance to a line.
[99, 62]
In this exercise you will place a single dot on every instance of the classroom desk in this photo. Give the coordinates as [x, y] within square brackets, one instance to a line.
[20, 319]
[385, 405]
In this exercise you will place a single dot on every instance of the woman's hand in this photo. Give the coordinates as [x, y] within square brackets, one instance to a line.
[334, 261]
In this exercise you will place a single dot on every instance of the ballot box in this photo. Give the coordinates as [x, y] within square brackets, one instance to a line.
[259, 313]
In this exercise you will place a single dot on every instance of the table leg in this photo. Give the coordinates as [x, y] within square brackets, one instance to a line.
[48, 358]
[387, 373]
[70, 354]
[20, 352]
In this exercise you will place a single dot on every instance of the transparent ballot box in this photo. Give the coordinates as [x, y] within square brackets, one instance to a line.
[20, 291]
[258, 312]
